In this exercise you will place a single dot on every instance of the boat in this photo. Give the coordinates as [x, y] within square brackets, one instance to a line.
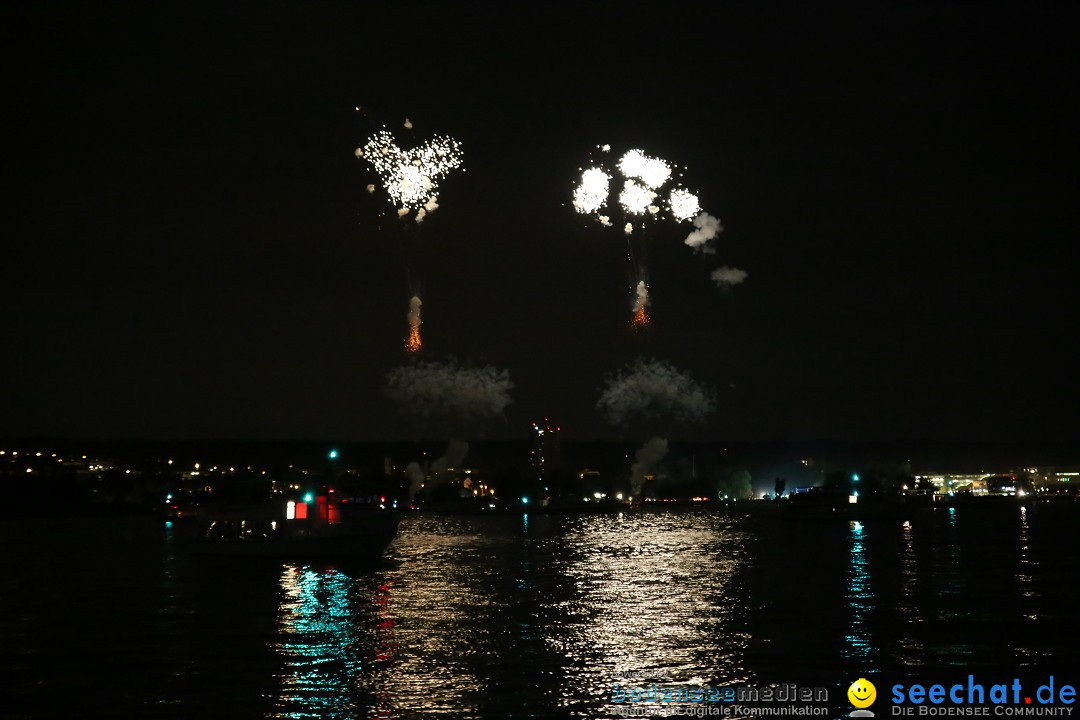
[312, 526]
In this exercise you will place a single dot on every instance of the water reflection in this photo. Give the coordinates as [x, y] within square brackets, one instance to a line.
[519, 616]
[909, 608]
[860, 601]
[1028, 565]
[319, 643]
[655, 596]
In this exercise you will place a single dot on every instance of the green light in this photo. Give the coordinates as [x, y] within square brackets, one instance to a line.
[524, 501]
[855, 477]
[309, 498]
[333, 454]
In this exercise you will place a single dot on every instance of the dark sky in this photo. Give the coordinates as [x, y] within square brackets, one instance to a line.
[190, 251]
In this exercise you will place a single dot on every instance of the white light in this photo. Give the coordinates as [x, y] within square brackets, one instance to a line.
[651, 171]
[592, 193]
[635, 198]
[411, 177]
[684, 205]
[852, 499]
[290, 510]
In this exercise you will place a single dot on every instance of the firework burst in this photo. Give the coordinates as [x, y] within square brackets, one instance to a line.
[639, 198]
[411, 177]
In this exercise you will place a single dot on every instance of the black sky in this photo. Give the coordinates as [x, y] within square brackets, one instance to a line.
[190, 251]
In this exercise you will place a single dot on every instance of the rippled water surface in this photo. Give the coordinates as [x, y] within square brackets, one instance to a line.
[527, 616]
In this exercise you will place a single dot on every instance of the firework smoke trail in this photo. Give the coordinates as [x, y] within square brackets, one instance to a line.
[416, 478]
[641, 301]
[651, 391]
[646, 458]
[454, 455]
[413, 343]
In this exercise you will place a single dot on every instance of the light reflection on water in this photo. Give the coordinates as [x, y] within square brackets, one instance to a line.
[654, 595]
[319, 642]
[531, 616]
[860, 600]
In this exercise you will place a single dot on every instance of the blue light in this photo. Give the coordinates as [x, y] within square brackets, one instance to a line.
[333, 454]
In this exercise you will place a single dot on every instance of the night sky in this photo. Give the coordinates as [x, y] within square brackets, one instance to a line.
[190, 250]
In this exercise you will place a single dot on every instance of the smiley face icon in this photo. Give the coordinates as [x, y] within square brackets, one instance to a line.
[862, 693]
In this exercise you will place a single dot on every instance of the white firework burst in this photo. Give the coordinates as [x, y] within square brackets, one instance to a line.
[411, 177]
[684, 204]
[635, 198]
[592, 193]
[652, 172]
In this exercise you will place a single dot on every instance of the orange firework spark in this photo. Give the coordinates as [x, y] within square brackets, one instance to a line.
[641, 318]
[413, 344]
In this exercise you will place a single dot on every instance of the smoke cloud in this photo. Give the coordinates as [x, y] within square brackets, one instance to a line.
[649, 389]
[726, 277]
[415, 476]
[647, 456]
[455, 453]
[707, 228]
[449, 391]
[641, 295]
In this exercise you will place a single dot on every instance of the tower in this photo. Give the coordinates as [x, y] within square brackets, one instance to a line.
[545, 455]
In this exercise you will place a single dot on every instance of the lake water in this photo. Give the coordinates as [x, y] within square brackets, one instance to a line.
[532, 615]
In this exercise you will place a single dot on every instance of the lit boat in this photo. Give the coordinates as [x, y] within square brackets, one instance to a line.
[313, 527]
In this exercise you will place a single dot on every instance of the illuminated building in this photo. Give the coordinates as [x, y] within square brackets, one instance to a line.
[545, 455]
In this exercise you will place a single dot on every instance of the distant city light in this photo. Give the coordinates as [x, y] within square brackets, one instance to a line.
[524, 501]
[309, 498]
[333, 454]
[855, 477]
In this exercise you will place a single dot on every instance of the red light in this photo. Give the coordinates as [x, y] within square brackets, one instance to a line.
[330, 490]
[382, 499]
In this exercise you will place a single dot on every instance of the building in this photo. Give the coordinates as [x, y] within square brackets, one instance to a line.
[546, 455]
